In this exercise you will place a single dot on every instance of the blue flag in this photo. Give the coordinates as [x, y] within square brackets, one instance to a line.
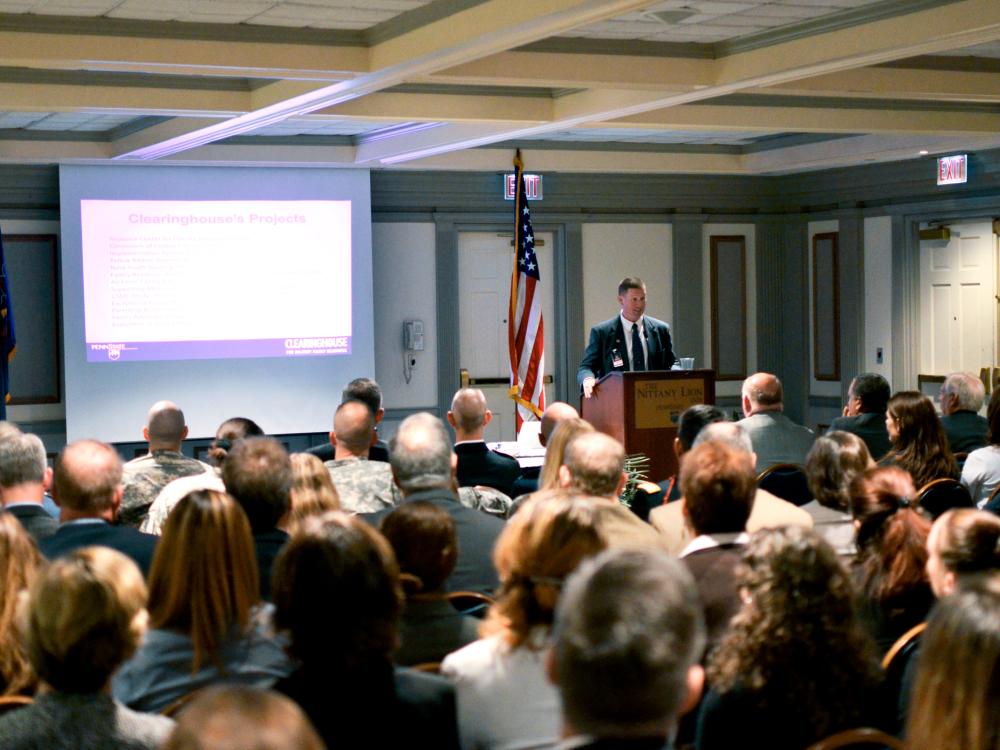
[7, 340]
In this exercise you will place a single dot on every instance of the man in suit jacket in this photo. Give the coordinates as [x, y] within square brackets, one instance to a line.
[629, 341]
[87, 485]
[864, 414]
[962, 397]
[776, 439]
[24, 478]
[424, 465]
[477, 464]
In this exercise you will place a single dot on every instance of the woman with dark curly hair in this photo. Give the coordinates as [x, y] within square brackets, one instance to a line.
[919, 444]
[796, 665]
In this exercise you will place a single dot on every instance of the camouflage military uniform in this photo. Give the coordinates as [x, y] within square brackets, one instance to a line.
[145, 476]
[364, 486]
[173, 493]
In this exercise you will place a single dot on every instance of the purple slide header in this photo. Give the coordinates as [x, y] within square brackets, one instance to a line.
[137, 351]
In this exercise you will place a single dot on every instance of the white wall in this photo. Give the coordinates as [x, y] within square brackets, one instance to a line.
[403, 261]
[818, 387]
[877, 291]
[613, 251]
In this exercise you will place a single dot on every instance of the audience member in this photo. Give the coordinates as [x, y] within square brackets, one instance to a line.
[776, 439]
[19, 564]
[145, 476]
[892, 553]
[963, 543]
[87, 485]
[554, 414]
[312, 492]
[956, 698]
[834, 461]
[24, 478]
[337, 594]
[423, 466]
[797, 665]
[238, 717]
[206, 622]
[768, 510]
[423, 537]
[504, 698]
[368, 392]
[918, 441]
[962, 397]
[85, 616]
[477, 464]
[363, 486]
[981, 470]
[258, 474]
[691, 422]
[228, 433]
[555, 451]
[627, 637]
[864, 414]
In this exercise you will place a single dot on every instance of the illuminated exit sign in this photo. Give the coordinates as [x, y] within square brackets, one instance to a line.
[952, 169]
[532, 187]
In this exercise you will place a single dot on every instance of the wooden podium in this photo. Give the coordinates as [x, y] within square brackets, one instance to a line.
[642, 411]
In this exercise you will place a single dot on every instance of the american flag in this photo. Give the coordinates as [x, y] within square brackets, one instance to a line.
[525, 328]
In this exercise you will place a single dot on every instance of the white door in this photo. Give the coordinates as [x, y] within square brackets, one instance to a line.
[957, 303]
[485, 260]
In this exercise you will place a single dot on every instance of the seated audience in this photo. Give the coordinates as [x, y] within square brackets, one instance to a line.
[477, 464]
[423, 538]
[85, 616]
[981, 470]
[19, 564]
[956, 699]
[145, 476]
[962, 397]
[864, 414]
[562, 435]
[504, 698]
[87, 485]
[228, 433]
[206, 621]
[363, 486]
[834, 461]
[918, 442]
[692, 420]
[24, 478]
[626, 641]
[238, 717]
[892, 553]
[553, 415]
[312, 492]
[368, 392]
[797, 665]
[337, 595]
[775, 438]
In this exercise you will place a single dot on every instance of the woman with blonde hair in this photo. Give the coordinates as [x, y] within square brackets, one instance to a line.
[19, 563]
[206, 618]
[555, 450]
[504, 698]
[313, 492]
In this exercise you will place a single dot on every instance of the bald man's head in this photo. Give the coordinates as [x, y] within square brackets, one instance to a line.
[556, 412]
[88, 478]
[469, 414]
[594, 463]
[353, 429]
[762, 392]
[165, 428]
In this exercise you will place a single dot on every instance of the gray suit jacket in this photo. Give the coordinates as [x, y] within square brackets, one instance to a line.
[777, 439]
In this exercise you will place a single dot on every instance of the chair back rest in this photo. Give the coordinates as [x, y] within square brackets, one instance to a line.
[860, 737]
[943, 494]
[787, 481]
[10, 703]
[470, 602]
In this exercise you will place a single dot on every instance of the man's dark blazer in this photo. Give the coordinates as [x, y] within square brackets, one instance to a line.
[325, 451]
[35, 520]
[74, 535]
[714, 573]
[870, 427]
[266, 546]
[966, 431]
[476, 531]
[477, 464]
[608, 337]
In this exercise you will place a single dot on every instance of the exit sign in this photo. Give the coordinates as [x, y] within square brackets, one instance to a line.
[952, 169]
[532, 187]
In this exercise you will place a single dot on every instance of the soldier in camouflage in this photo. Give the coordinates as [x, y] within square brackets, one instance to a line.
[145, 476]
[364, 486]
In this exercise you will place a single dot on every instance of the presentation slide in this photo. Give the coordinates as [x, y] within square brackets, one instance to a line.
[151, 269]
[230, 290]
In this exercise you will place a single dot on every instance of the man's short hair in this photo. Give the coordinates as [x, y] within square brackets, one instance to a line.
[630, 282]
[22, 460]
[873, 391]
[595, 462]
[354, 426]
[365, 390]
[627, 630]
[420, 453]
[468, 409]
[87, 475]
[694, 419]
[257, 472]
[718, 485]
[967, 389]
[770, 393]
[727, 433]
[165, 423]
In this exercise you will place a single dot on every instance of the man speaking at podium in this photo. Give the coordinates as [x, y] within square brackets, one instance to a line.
[629, 341]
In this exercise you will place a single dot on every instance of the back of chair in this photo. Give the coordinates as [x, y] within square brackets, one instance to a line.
[944, 494]
[787, 481]
[898, 657]
[470, 602]
[10, 703]
[861, 737]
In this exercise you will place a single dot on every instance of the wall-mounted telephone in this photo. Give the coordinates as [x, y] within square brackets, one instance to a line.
[413, 335]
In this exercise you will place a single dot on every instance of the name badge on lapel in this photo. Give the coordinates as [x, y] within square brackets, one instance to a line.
[616, 359]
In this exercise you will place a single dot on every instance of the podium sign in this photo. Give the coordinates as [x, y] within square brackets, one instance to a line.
[660, 403]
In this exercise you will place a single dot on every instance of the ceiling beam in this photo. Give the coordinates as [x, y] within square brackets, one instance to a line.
[897, 83]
